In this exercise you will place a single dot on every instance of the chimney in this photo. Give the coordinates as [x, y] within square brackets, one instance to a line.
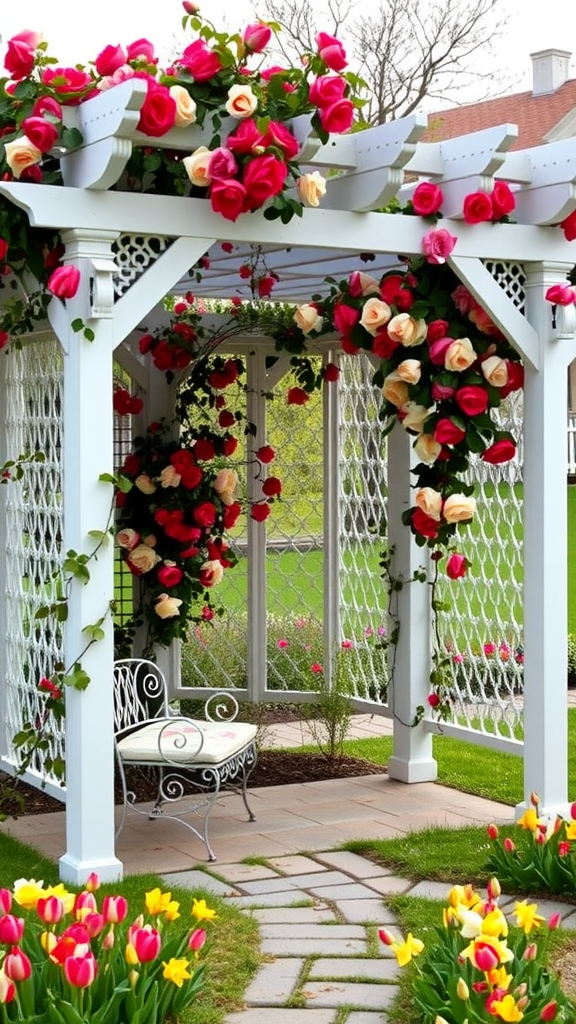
[550, 69]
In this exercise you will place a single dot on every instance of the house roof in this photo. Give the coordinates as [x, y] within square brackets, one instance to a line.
[535, 116]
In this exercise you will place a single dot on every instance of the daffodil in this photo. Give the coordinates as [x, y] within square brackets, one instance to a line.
[406, 950]
[571, 830]
[27, 892]
[526, 916]
[202, 912]
[157, 901]
[506, 1009]
[495, 923]
[172, 910]
[68, 898]
[499, 978]
[529, 820]
[176, 970]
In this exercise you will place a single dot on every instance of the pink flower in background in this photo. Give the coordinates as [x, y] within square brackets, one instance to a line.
[347, 644]
[316, 668]
[489, 649]
[282, 644]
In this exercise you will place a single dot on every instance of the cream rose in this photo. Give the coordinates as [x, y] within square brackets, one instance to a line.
[169, 477]
[196, 166]
[427, 449]
[143, 558]
[185, 106]
[307, 318]
[167, 607]
[375, 314]
[127, 538]
[395, 390]
[226, 485]
[405, 329]
[430, 501]
[409, 370]
[459, 355]
[145, 484]
[311, 188]
[20, 154]
[368, 285]
[458, 508]
[241, 101]
[495, 371]
[215, 570]
[415, 416]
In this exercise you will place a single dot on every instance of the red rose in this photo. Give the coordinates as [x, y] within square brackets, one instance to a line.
[472, 399]
[230, 514]
[349, 347]
[331, 372]
[326, 90]
[264, 177]
[126, 404]
[331, 51]
[141, 49]
[145, 343]
[260, 512]
[64, 282]
[297, 396]
[41, 133]
[393, 290]
[265, 454]
[131, 466]
[228, 197]
[158, 112]
[205, 514]
[229, 445]
[109, 60]
[500, 451]
[515, 378]
[163, 356]
[204, 450]
[427, 198]
[207, 613]
[169, 575]
[424, 524]
[182, 460]
[456, 567]
[447, 432]
[272, 486]
[433, 700]
[568, 226]
[338, 117]
[383, 345]
[245, 138]
[345, 317]
[561, 294]
[278, 135]
[191, 477]
[265, 285]
[3, 249]
[226, 418]
[436, 329]
[503, 201]
[70, 83]
[222, 378]
[477, 208]
[202, 62]
[21, 53]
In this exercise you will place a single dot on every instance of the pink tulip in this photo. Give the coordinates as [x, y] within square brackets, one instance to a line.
[17, 965]
[85, 901]
[11, 929]
[197, 940]
[5, 901]
[114, 909]
[7, 988]
[80, 971]
[146, 942]
[51, 909]
[64, 282]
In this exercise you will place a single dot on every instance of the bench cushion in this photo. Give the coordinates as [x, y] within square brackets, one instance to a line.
[180, 742]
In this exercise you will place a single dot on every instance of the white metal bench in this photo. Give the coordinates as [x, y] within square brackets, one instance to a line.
[194, 758]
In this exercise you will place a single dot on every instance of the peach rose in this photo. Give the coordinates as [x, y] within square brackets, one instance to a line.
[395, 390]
[363, 284]
[213, 571]
[185, 106]
[415, 416]
[226, 485]
[127, 539]
[307, 318]
[430, 501]
[142, 558]
[458, 508]
[409, 370]
[169, 477]
[196, 166]
[311, 188]
[20, 154]
[375, 314]
[241, 101]
[405, 329]
[145, 484]
[459, 355]
[495, 371]
[150, 540]
[427, 449]
[167, 607]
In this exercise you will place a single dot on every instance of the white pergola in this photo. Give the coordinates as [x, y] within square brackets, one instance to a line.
[91, 215]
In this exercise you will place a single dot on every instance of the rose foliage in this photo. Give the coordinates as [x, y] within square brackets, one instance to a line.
[68, 960]
[483, 964]
[543, 855]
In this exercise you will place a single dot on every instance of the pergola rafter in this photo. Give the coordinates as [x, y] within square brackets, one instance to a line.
[372, 170]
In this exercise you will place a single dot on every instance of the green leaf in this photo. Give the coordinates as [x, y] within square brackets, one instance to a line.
[99, 535]
[77, 325]
[89, 334]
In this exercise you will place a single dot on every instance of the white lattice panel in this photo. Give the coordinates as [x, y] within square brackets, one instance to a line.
[33, 531]
[133, 254]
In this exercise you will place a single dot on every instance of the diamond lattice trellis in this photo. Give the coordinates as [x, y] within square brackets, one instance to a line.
[33, 423]
[133, 254]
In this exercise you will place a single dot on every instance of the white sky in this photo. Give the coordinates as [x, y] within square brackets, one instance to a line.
[77, 32]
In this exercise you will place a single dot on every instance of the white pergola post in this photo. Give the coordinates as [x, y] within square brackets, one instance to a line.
[545, 548]
[87, 503]
[412, 760]
[257, 384]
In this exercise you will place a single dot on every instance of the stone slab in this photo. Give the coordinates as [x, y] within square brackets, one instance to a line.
[287, 898]
[199, 880]
[313, 947]
[430, 890]
[366, 1017]
[295, 865]
[258, 1015]
[361, 995]
[296, 915]
[312, 931]
[299, 881]
[352, 864]
[379, 969]
[274, 982]
[390, 885]
[351, 891]
[235, 873]
[372, 911]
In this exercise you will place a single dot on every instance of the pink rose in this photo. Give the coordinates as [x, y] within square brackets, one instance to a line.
[345, 317]
[71, 84]
[222, 164]
[169, 575]
[246, 138]
[437, 245]
[472, 399]
[559, 294]
[477, 208]
[278, 135]
[363, 284]
[202, 62]
[436, 330]
[256, 37]
[462, 299]
[338, 117]
[427, 198]
[503, 201]
[331, 51]
[264, 177]
[500, 451]
[228, 197]
[326, 90]
[41, 133]
[447, 432]
[456, 567]
[21, 53]
[441, 392]
[568, 226]
[64, 282]
[47, 105]
[109, 60]
[158, 112]
[141, 49]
